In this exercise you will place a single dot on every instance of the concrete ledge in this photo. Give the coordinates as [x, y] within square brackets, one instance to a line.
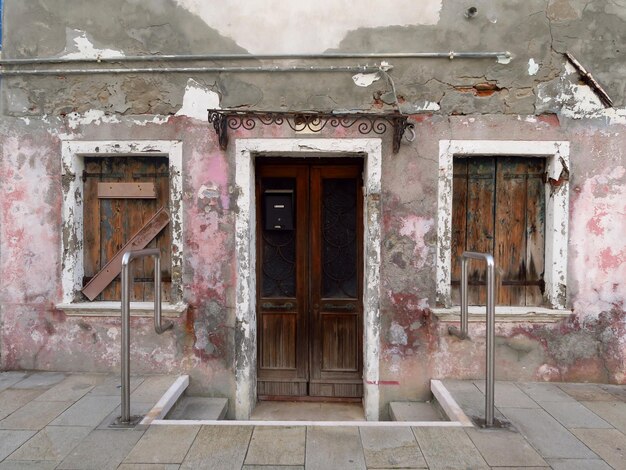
[367, 424]
[167, 401]
[114, 309]
[415, 411]
[449, 405]
[504, 314]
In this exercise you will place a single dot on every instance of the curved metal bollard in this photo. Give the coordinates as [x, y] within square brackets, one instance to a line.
[490, 327]
[125, 420]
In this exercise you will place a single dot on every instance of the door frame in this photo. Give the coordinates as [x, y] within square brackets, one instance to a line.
[246, 151]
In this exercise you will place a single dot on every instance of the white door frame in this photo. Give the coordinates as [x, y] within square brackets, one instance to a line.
[246, 150]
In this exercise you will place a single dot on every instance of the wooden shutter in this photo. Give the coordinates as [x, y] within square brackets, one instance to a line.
[499, 208]
[110, 222]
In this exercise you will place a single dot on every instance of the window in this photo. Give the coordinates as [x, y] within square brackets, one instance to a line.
[498, 207]
[554, 155]
[93, 228]
[111, 218]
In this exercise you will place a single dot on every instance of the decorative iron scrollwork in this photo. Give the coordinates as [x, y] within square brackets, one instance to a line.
[219, 124]
[365, 123]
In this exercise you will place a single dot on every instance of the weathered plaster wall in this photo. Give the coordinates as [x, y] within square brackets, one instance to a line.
[534, 97]
[535, 32]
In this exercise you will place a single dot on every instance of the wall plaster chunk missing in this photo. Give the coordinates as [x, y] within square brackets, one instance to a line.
[578, 101]
[197, 100]
[533, 67]
[82, 48]
[365, 79]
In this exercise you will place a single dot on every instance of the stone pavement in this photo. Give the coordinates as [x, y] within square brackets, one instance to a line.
[58, 420]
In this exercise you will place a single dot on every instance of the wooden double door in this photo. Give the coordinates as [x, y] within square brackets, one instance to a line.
[309, 278]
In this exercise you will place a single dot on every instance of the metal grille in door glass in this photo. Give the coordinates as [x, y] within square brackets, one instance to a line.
[339, 238]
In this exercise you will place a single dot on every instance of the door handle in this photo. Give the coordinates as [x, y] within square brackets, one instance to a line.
[270, 306]
[340, 307]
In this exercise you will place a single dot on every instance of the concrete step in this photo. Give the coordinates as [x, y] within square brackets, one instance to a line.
[415, 411]
[188, 407]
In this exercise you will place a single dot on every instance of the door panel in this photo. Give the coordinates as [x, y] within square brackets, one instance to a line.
[281, 288]
[335, 283]
[310, 282]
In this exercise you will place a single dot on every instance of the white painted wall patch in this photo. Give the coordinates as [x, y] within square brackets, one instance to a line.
[197, 100]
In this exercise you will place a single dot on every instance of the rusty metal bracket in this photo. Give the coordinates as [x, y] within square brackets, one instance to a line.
[365, 123]
[589, 80]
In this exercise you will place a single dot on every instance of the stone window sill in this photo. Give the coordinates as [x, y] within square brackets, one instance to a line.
[504, 314]
[114, 309]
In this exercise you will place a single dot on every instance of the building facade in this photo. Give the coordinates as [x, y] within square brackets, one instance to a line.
[311, 172]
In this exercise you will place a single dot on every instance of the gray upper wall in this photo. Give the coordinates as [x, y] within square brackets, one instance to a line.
[536, 32]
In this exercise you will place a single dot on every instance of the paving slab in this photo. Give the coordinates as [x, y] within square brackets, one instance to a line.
[578, 464]
[148, 466]
[112, 385]
[51, 443]
[72, 387]
[586, 392]
[28, 465]
[88, 411]
[508, 395]
[34, 415]
[505, 448]
[574, 415]
[9, 378]
[613, 412]
[12, 400]
[618, 391]
[272, 445]
[459, 385]
[12, 440]
[101, 450]
[448, 448]
[40, 380]
[610, 444]
[219, 447]
[152, 388]
[334, 447]
[199, 408]
[391, 448]
[414, 411]
[546, 434]
[163, 444]
[272, 467]
[541, 392]
[136, 409]
[473, 404]
[303, 411]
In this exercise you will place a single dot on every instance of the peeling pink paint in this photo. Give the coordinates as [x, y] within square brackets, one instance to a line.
[416, 228]
[598, 241]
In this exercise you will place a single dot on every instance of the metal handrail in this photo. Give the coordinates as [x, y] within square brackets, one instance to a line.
[125, 420]
[490, 327]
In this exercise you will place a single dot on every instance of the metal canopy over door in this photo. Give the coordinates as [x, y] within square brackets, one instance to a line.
[309, 279]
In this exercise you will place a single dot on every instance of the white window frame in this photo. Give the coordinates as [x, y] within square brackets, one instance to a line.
[72, 245]
[556, 154]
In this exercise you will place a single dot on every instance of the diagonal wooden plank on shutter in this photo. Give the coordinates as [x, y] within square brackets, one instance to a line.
[139, 241]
